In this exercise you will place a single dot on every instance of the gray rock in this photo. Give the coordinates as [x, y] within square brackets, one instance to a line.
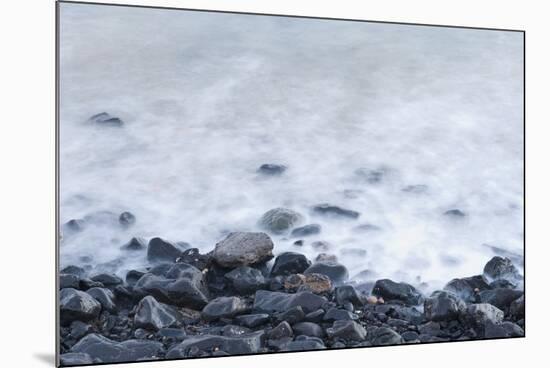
[308, 329]
[105, 350]
[307, 230]
[280, 220]
[289, 263]
[69, 281]
[107, 279]
[246, 280]
[252, 320]
[104, 296]
[135, 244]
[79, 329]
[386, 336]
[292, 316]
[305, 343]
[500, 298]
[501, 268]
[517, 308]
[72, 359]
[347, 330]
[443, 306]
[160, 250]
[337, 272]
[77, 305]
[335, 314]
[272, 301]
[280, 331]
[243, 249]
[454, 213]
[480, 314]
[243, 344]
[179, 284]
[347, 293]
[467, 288]
[152, 315]
[512, 329]
[127, 219]
[390, 290]
[326, 209]
[74, 270]
[223, 307]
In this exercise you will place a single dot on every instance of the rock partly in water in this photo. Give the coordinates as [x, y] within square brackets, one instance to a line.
[152, 315]
[500, 268]
[107, 279]
[337, 272]
[280, 220]
[500, 298]
[468, 288]
[160, 250]
[454, 213]
[289, 263]
[326, 209]
[135, 244]
[243, 249]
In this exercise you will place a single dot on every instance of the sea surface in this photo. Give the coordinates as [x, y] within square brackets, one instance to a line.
[206, 98]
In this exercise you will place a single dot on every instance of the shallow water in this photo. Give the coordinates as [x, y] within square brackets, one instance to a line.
[207, 98]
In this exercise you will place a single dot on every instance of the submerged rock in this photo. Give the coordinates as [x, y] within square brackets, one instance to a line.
[272, 169]
[243, 249]
[104, 119]
[280, 220]
[454, 213]
[127, 219]
[326, 209]
[307, 230]
[337, 272]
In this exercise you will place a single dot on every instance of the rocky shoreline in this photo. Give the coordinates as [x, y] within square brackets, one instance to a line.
[236, 300]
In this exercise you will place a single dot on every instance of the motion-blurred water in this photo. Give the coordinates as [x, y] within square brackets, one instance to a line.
[207, 98]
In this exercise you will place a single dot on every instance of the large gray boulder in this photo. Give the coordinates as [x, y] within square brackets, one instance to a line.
[104, 350]
[76, 305]
[243, 249]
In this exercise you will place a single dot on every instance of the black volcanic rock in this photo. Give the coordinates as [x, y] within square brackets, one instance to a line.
[400, 291]
[289, 263]
[152, 315]
[160, 250]
[77, 305]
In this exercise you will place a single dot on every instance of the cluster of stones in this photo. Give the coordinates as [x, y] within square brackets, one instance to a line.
[235, 300]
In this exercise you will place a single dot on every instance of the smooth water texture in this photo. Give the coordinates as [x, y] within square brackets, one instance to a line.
[207, 98]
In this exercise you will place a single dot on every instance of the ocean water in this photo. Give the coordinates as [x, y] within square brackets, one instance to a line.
[207, 98]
